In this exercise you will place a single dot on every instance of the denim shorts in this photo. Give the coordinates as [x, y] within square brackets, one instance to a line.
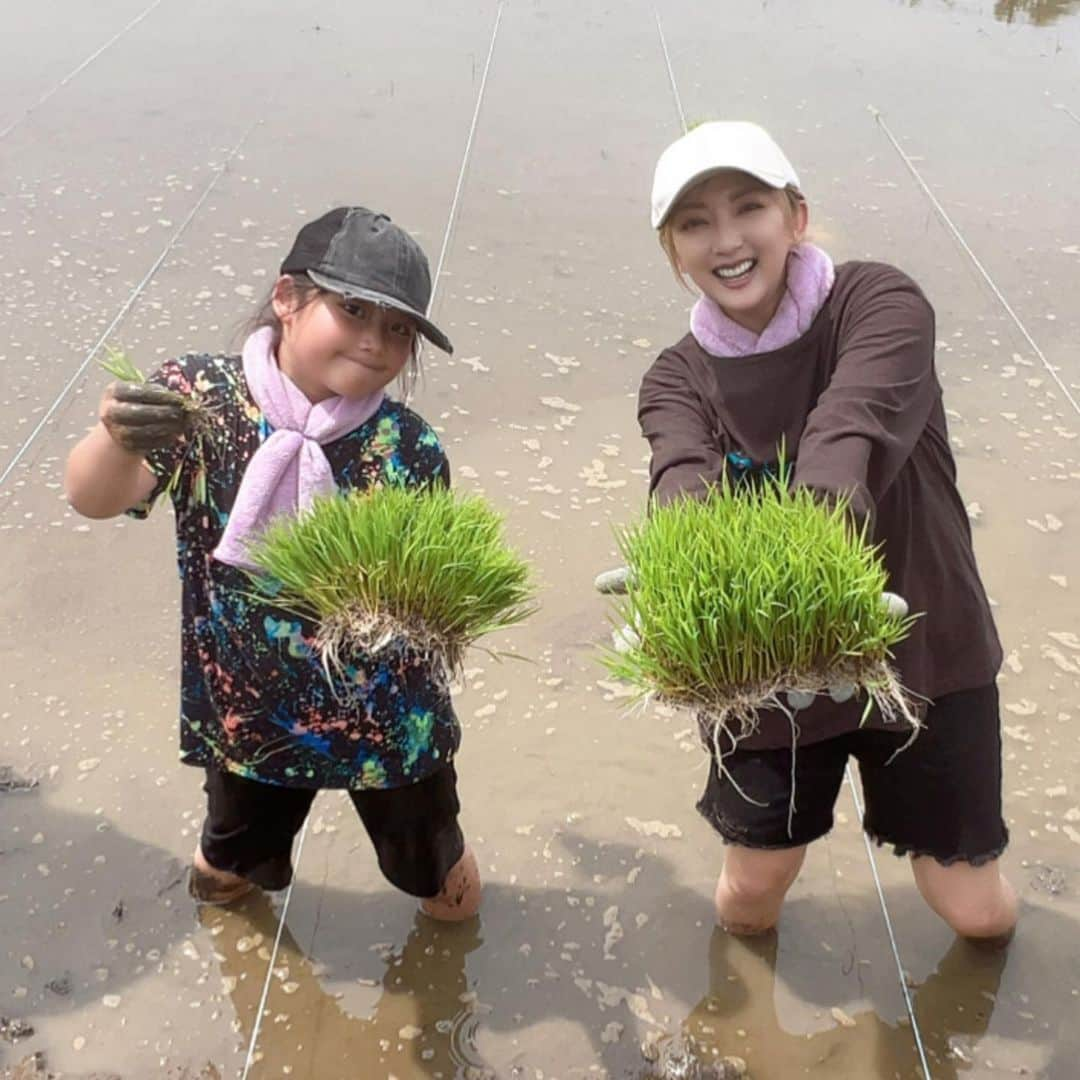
[941, 796]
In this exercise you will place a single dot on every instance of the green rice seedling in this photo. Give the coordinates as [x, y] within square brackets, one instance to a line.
[120, 366]
[754, 591]
[390, 564]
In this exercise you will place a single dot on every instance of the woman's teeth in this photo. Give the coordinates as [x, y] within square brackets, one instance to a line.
[738, 270]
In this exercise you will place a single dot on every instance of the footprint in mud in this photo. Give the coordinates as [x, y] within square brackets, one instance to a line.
[10, 780]
[31, 1067]
[680, 1057]
[34, 1067]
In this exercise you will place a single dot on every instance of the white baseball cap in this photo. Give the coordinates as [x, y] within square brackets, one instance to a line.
[711, 147]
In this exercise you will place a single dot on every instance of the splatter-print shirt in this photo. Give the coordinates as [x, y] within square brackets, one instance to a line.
[255, 697]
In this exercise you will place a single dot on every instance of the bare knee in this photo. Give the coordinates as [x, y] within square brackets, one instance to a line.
[752, 887]
[976, 901]
[766, 877]
[981, 923]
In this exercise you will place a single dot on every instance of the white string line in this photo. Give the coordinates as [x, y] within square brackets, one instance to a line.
[465, 160]
[71, 74]
[670, 71]
[435, 284]
[941, 212]
[273, 958]
[1068, 112]
[869, 850]
[125, 307]
[908, 1004]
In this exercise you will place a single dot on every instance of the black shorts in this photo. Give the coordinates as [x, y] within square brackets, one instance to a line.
[250, 826]
[941, 796]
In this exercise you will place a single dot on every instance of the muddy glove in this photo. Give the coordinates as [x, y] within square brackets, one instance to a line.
[897, 607]
[141, 417]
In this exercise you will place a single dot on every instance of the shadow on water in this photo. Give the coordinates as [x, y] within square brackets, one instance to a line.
[434, 1006]
[422, 1010]
[957, 1000]
[111, 911]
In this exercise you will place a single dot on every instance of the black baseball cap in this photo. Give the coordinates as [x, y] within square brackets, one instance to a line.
[359, 253]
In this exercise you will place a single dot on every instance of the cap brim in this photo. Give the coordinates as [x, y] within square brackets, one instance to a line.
[777, 183]
[343, 288]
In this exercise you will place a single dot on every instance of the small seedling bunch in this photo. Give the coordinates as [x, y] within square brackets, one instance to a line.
[118, 364]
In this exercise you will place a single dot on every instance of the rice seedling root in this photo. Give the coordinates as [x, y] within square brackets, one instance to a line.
[735, 714]
[380, 634]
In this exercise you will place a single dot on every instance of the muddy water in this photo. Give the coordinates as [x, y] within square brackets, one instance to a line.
[596, 931]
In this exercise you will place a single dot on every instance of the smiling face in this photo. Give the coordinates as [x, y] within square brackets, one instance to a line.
[334, 345]
[731, 235]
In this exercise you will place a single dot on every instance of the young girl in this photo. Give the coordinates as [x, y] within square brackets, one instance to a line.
[836, 364]
[302, 412]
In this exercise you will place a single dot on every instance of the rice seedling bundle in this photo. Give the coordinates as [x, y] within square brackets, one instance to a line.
[388, 564]
[752, 592]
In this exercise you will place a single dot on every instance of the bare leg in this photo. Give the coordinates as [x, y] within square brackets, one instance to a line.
[460, 896]
[752, 887]
[976, 901]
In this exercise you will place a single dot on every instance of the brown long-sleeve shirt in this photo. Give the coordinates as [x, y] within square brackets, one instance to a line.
[857, 403]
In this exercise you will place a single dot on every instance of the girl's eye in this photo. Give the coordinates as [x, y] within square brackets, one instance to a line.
[355, 309]
[690, 223]
[750, 207]
[402, 330]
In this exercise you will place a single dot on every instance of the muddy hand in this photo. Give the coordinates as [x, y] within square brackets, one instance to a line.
[798, 700]
[141, 417]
